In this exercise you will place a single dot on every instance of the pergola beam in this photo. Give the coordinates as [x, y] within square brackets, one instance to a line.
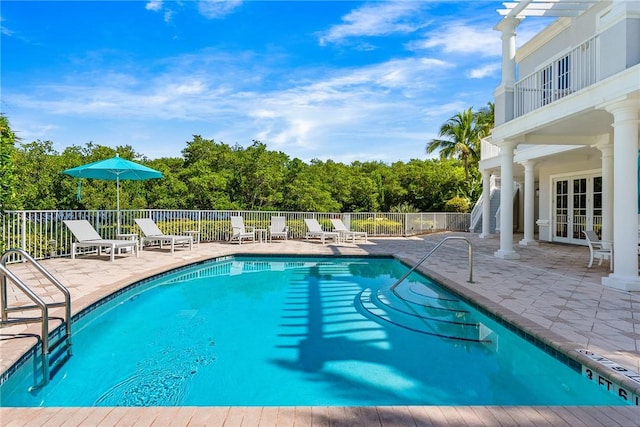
[556, 8]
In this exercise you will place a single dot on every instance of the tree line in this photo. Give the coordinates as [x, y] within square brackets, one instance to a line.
[218, 176]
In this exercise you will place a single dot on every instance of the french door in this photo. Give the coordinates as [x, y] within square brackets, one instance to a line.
[577, 206]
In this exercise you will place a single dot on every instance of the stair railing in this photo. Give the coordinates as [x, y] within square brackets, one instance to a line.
[435, 248]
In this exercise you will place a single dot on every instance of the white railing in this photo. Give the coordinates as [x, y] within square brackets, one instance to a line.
[487, 149]
[557, 79]
[43, 234]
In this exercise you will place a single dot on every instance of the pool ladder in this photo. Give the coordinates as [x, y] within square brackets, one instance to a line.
[435, 248]
[52, 353]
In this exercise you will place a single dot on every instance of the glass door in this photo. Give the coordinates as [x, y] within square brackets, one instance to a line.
[577, 206]
[561, 215]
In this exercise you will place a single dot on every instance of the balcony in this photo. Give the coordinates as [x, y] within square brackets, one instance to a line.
[561, 77]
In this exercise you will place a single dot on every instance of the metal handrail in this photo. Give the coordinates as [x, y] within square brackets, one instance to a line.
[400, 280]
[39, 304]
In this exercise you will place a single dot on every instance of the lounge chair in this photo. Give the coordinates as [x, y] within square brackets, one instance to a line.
[315, 231]
[598, 249]
[345, 233]
[278, 228]
[152, 234]
[88, 237]
[240, 232]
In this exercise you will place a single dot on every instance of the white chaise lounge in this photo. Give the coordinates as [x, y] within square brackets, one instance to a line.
[153, 234]
[315, 231]
[345, 233]
[87, 237]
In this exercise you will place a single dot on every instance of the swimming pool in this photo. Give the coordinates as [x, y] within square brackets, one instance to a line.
[271, 331]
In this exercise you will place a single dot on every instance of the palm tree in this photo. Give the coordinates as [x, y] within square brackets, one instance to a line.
[463, 133]
[485, 118]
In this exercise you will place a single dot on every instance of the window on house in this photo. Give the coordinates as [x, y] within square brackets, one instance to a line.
[563, 82]
[597, 205]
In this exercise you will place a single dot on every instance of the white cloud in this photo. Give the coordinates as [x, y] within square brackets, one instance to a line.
[374, 20]
[158, 6]
[154, 5]
[214, 9]
[3, 29]
[363, 103]
[448, 109]
[458, 37]
[484, 71]
[321, 113]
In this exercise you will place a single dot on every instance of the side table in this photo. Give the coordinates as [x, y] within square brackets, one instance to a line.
[262, 234]
[195, 235]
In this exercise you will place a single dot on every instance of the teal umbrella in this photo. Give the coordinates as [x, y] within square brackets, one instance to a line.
[114, 169]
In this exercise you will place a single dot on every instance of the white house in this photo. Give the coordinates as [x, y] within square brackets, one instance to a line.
[566, 137]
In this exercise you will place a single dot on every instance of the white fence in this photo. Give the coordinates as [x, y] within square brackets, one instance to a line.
[43, 233]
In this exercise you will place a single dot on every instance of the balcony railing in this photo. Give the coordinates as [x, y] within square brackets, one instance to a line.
[557, 79]
[43, 233]
[487, 149]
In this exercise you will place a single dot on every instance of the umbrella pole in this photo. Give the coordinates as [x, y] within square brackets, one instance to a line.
[117, 205]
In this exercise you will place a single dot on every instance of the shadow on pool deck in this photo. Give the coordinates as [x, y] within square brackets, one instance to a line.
[549, 292]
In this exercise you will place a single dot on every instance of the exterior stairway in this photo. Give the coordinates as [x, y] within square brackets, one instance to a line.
[494, 205]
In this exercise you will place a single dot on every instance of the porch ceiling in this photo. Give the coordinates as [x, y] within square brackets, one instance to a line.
[585, 124]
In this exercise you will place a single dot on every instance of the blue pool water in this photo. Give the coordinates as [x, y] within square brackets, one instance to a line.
[266, 331]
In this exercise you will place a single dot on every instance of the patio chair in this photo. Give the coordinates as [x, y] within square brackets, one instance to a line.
[278, 228]
[598, 249]
[345, 233]
[315, 231]
[240, 232]
[152, 235]
[87, 237]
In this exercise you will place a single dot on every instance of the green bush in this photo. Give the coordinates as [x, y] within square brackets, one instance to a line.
[378, 225]
[457, 204]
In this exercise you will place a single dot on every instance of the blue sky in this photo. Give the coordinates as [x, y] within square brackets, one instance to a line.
[341, 80]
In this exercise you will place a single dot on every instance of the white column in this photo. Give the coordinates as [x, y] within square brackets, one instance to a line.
[625, 196]
[606, 148]
[506, 202]
[486, 205]
[529, 203]
[504, 92]
[508, 29]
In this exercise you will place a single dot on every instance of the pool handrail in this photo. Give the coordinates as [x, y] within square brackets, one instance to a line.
[46, 348]
[423, 259]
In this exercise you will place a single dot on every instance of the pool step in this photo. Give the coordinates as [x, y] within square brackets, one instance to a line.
[422, 295]
[448, 323]
[59, 354]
